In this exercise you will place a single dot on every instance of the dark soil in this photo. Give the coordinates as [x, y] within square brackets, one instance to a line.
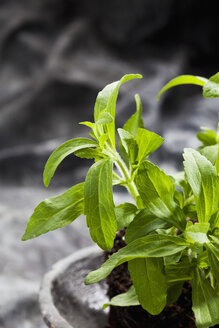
[178, 315]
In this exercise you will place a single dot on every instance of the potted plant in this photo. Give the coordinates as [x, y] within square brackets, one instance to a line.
[169, 235]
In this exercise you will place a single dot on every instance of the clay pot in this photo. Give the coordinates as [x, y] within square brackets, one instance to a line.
[65, 301]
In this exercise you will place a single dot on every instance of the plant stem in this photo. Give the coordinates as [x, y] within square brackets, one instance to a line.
[125, 172]
[130, 185]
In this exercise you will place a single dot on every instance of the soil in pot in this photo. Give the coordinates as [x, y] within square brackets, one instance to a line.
[177, 315]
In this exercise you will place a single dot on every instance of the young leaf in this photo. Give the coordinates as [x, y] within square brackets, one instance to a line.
[129, 144]
[183, 79]
[125, 213]
[208, 137]
[205, 301]
[149, 246]
[202, 259]
[135, 121]
[180, 181]
[98, 204]
[197, 233]
[203, 179]
[87, 123]
[211, 88]
[89, 153]
[131, 126]
[150, 283]
[93, 135]
[125, 299]
[179, 199]
[147, 142]
[106, 100]
[172, 258]
[157, 192]
[63, 151]
[56, 212]
[102, 139]
[211, 153]
[104, 118]
[143, 224]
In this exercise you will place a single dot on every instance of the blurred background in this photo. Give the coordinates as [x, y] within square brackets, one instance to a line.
[55, 55]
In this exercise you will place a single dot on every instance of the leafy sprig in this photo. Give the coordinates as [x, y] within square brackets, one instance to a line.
[172, 233]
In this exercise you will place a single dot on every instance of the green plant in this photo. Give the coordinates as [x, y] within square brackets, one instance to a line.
[172, 233]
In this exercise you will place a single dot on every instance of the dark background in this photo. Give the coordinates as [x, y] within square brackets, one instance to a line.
[55, 55]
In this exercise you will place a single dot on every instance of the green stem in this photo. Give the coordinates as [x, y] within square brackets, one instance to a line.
[127, 177]
[125, 172]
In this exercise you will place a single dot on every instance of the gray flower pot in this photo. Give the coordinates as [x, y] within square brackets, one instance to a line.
[65, 301]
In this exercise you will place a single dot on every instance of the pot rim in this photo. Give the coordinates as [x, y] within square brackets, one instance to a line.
[50, 313]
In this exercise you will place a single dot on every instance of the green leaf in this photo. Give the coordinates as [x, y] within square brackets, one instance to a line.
[214, 222]
[181, 271]
[124, 154]
[92, 134]
[216, 240]
[215, 247]
[205, 301]
[98, 204]
[125, 299]
[150, 283]
[180, 181]
[170, 231]
[217, 161]
[125, 213]
[104, 118]
[87, 123]
[143, 224]
[106, 100]
[129, 144]
[172, 258]
[210, 152]
[56, 212]
[149, 246]
[190, 211]
[203, 179]
[173, 292]
[197, 233]
[213, 261]
[135, 121]
[202, 259]
[147, 142]
[157, 192]
[131, 126]
[179, 199]
[211, 88]
[102, 139]
[89, 153]
[183, 79]
[208, 137]
[62, 152]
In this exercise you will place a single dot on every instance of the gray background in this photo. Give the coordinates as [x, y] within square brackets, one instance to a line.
[54, 58]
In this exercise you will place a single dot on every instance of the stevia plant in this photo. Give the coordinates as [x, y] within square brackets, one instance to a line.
[172, 233]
